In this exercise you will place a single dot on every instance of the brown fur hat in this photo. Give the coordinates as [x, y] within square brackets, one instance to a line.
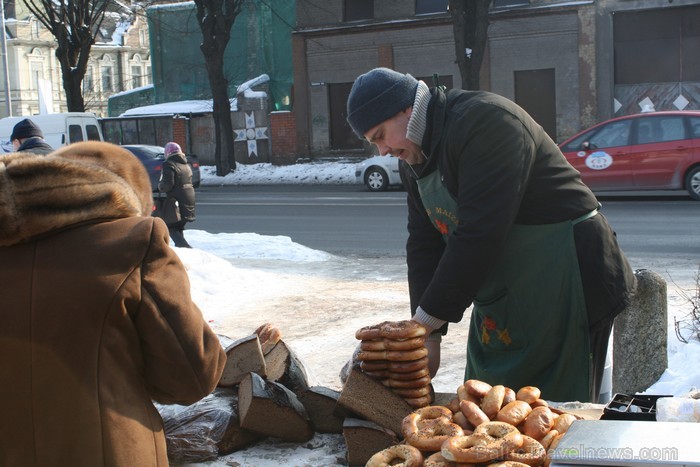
[115, 159]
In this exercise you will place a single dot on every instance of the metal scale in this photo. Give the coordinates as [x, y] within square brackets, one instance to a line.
[628, 443]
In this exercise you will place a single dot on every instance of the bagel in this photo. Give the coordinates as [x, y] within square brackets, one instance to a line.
[391, 329]
[476, 387]
[493, 400]
[528, 394]
[563, 422]
[531, 452]
[374, 365]
[409, 455]
[428, 435]
[546, 440]
[410, 375]
[393, 344]
[470, 449]
[392, 355]
[538, 423]
[418, 402]
[473, 413]
[514, 412]
[436, 460]
[412, 393]
[459, 418]
[407, 366]
[407, 384]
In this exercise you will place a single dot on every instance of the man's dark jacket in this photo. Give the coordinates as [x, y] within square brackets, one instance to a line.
[35, 145]
[503, 169]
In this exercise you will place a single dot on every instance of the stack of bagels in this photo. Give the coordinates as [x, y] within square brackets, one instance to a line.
[483, 424]
[394, 353]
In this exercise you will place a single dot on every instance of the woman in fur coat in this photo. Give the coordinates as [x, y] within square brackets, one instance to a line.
[97, 318]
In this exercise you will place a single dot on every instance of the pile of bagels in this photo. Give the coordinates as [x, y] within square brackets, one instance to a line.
[483, 424]
[394, 353]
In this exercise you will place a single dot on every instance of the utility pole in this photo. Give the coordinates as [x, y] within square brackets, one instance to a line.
[6, 72]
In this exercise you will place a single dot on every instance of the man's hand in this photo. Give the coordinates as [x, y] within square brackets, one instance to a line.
[433, 346]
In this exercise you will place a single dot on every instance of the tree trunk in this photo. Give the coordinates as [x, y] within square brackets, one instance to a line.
[470, 24]
[72, 85]
[223, 153]
[216, 18]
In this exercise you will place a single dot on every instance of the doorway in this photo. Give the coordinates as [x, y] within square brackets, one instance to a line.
[535, 92]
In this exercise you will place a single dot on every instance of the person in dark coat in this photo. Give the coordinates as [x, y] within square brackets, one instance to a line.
[499, 219]
[27, 137]
[176, 181]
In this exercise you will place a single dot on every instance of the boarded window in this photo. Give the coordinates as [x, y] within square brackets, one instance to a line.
[657, 46]
[356, 10]
[426, 7]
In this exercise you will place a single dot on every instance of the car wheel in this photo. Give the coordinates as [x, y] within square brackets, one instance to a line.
[376, 179]
[692, 183]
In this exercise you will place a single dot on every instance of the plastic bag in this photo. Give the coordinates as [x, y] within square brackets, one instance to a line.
[193, 432]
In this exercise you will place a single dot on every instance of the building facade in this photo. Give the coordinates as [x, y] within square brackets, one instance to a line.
[570, 64]
[119, 61]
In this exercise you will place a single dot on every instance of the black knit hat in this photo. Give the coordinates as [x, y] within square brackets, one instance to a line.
[25, 129]
[377, 96]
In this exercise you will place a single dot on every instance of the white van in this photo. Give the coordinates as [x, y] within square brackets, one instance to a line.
[58, 129]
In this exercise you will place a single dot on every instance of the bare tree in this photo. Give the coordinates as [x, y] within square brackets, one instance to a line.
[470, 23]
[216, 18]
[75, 25]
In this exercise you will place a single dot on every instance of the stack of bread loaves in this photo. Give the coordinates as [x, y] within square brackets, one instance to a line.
[394, 353]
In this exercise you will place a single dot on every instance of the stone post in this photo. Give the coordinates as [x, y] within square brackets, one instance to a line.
[640, 336]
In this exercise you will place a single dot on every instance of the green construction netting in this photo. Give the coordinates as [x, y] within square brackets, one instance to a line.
[260, 44]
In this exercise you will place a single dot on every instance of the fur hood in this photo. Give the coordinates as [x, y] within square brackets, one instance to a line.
[78, 183]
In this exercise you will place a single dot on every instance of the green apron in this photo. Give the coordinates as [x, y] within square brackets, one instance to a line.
[529, 325]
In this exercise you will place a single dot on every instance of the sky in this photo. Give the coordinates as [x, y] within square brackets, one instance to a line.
[241, 280]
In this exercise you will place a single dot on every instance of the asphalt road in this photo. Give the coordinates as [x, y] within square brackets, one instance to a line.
[657, 231]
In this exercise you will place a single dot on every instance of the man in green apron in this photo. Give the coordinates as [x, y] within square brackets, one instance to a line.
[498, 219]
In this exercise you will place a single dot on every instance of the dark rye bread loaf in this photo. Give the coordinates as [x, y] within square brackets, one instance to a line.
[271, 409]
[234, 437]
[242, 357]
[320, 403]
[363, 439]
[368, 398]
[283, 365]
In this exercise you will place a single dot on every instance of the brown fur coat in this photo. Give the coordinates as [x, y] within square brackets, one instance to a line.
[97, 318]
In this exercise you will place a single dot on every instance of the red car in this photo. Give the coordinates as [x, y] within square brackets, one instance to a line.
[646, 151]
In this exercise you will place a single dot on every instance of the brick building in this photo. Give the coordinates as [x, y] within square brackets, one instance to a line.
[570, 64]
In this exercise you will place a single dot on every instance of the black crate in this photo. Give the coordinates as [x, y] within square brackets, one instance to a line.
[631, 407]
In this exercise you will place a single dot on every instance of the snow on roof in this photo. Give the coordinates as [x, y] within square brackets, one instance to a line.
[200, 106]
[179, 107]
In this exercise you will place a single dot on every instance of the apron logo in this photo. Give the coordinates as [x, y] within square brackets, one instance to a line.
[442, 227]
[489, 325]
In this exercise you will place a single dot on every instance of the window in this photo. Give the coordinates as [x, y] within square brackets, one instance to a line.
[426, 7]
[148, 75]
[135, 76]
[107, 84]
[612, 135]
[509, 3]
[37, 74]
[75, 133]
[671, 129]
[356, 10]
[695, 126]
[36, 68]
[657, 46]
[88, 83]
[93, 133]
